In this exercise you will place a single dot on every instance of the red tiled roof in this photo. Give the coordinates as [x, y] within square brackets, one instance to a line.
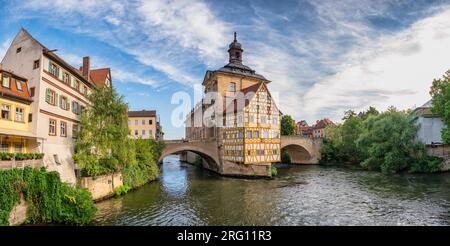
[98, 76]
[323, 123]
[13, 92]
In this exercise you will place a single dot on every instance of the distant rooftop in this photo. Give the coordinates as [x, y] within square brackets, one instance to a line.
[142, 113]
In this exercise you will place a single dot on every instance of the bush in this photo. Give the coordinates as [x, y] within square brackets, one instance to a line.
[285, 158]
[427, 164]
[20, 156]
[145, 169]
[122, 190]
[274, 171]
[49, 200]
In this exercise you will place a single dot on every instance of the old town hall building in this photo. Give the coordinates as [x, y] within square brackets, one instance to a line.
[239, 112]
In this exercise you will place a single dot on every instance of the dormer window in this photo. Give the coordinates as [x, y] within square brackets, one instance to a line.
[19, 85]
[6, 82]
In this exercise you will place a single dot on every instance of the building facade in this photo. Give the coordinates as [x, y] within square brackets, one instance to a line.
[318, 130]
[302, 129]
[144, 124]
[59, 93]
[431, 124]
[16, 116]
[237, 111]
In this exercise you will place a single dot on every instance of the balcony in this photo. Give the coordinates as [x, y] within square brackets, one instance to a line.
[21, 160]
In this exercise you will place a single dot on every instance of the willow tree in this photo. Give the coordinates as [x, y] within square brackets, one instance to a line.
[103, 145]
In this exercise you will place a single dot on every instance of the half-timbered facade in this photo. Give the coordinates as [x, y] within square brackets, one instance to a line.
[244, 115]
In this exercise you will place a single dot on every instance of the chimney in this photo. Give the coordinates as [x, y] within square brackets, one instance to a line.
[86, 67]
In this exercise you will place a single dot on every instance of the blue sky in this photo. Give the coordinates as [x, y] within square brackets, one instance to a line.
[323, 57]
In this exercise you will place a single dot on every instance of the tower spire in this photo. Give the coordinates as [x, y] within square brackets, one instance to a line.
[235, 51]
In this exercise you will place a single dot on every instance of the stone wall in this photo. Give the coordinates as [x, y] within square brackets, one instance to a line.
[18, 214]
[101, 187]
[246, 170]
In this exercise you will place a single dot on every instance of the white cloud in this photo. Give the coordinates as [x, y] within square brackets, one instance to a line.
[190, 23]
[167, 35]
[390, 70]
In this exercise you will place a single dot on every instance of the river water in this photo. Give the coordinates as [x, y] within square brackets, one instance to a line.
[299, 195]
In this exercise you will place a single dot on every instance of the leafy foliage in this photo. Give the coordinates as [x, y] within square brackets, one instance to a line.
[274, 171]
[49, 200]
[377, 141]
[122, 190]
[285, 158]
[145, 168]
[440, 92]
[103, 145]
[287, 125]
[20, 156]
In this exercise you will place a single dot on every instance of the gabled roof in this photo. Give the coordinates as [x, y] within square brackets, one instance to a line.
[142, 113]
[253, 89]
[47, 52]
[13, 92]
[99, 76]
[323, 123]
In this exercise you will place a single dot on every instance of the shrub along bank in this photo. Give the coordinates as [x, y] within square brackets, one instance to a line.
[48, 199]
[145, 168]
[378, 141]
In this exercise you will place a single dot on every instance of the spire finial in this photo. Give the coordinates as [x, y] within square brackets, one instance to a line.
[235, 37]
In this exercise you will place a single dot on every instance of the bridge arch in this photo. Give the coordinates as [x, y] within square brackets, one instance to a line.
[301, 150]
[208, 152]
[297, 153]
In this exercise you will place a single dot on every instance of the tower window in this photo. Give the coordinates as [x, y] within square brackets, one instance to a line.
[232, 87]
[238, 55]
[19, 50]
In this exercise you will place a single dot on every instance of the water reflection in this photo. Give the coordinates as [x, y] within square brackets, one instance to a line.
[302, 195]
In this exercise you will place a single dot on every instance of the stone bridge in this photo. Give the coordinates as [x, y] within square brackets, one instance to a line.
[301, 150]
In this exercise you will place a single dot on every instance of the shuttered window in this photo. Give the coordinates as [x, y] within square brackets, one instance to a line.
[53, 69]
[51, 96]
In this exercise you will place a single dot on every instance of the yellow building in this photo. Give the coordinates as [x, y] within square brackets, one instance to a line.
[238, 110]
[15, 103]
[144, 124]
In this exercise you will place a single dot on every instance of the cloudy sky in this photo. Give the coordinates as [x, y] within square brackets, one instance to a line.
[323, 57]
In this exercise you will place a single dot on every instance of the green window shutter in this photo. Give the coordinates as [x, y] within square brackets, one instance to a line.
[49, 66]
[56, 99]
[47, 95]
[57, 71]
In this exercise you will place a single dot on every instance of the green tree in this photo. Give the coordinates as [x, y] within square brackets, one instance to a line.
[440, 93]
[385, 142]
[103, 145]
[339, 145]
[287, 125]
[369, 112]
[349, 114]
[389, 142]
[145, 169]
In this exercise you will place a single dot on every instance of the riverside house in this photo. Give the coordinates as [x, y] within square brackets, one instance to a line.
[144, 124]
[59, 93]
[16, 116]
